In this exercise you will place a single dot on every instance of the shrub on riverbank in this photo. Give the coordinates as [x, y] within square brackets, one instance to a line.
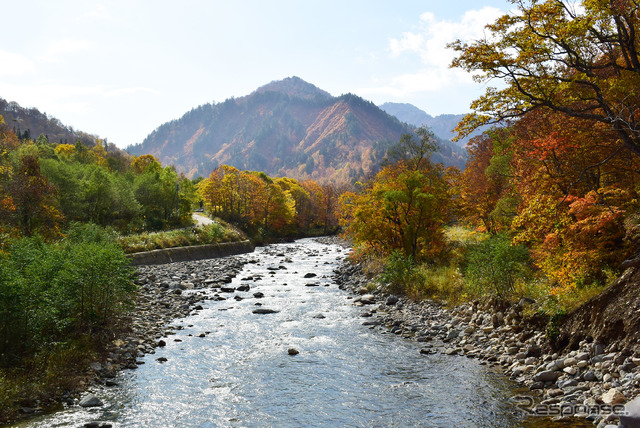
[495, 266]
[57, 302]
[477, 266]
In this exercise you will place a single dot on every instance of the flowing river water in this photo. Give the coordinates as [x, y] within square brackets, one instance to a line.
[346, 374]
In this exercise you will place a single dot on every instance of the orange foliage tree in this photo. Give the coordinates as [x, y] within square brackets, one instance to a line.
[484, 183]
[577, 183]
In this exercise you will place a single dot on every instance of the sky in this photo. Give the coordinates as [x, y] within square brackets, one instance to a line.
[119, 69]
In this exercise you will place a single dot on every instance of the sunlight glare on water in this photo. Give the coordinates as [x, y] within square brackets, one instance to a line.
[346, 374]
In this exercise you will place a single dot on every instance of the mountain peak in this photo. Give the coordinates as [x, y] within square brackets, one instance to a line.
[294, 87]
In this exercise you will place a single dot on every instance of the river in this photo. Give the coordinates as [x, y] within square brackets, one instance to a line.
[240, 372]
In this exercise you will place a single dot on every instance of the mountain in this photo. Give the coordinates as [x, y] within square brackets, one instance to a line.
[295, 87]
[441, 125]
[285, 128]
[30, 123]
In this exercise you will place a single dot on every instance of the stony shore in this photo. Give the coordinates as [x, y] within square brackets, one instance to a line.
[593, 382]
[162, 296]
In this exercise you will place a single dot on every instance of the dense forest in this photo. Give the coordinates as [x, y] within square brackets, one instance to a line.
[552, 197]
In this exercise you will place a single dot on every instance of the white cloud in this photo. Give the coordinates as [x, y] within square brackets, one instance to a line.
[424, 80]
[62, 47]
[429, 42]
[432, 37]
[14, 64]
[97, 11]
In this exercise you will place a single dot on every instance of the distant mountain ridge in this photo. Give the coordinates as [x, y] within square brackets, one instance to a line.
[30, 123]
[441, 125]
[284, 128]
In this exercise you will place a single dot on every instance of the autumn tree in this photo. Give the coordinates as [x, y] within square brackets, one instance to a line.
[405, 206]
[142, 163]
[34, 199]
[578, 60]
[8, 142]
[575, 196]
[485, 188]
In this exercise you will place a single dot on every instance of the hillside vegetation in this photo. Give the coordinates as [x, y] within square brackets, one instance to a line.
[29, 123]
[286, 128]
[549, 203]
[443, 125]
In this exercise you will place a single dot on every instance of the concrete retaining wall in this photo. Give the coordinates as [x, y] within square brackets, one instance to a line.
[195, 252]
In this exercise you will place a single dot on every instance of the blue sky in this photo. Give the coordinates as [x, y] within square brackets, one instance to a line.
[119, 69]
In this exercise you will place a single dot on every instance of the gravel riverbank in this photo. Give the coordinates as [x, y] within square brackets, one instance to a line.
[592, 382]
[162, 296]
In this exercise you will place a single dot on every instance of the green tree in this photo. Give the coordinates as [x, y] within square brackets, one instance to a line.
[494, 266]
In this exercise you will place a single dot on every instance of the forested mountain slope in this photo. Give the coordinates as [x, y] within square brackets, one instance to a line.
[285, 128]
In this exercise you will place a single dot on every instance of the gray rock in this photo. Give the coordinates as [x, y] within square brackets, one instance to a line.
[567, 383]
[546, 376]
[391, 300]
[631, 418]
[368, 299]
[534, 351]
[265, 311]
[582, 356]
[597, 349]
[90, 400]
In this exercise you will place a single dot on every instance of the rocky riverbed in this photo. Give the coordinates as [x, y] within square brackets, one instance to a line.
[227, 362]
[165, 292]
[590, 383]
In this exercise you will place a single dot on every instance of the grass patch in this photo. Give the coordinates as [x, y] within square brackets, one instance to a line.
[215, 233]
[442, 283]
